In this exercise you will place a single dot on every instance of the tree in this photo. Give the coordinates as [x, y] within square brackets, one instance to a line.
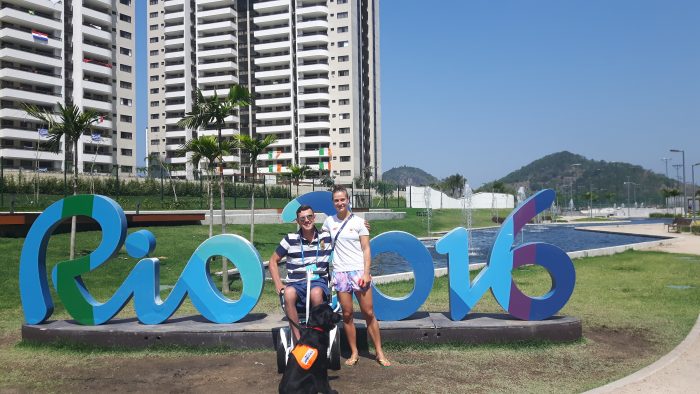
[297, 173]
[253, 147]
[454, 184]
[206, 148]
[68, 124]
[213, 111]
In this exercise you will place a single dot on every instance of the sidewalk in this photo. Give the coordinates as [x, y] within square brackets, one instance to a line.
[679, 370]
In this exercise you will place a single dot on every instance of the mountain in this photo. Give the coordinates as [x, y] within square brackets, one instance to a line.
[566, 171]
[405, 175]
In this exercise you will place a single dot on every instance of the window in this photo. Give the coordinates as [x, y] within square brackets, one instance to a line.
[154, 142]
[153, 39]
[125, 68]
[125, 51]
[343, 29]
[343, 73]
[345, 144]
[344, 102]
[343, 44]
[127, 169]
[153, 2]
[154, 129]
[153, 15]
[154, 77]
[125, 85]
[155, 116]
[125, 2]
[154, 90]
[125, 18]
[342, 88]
[125, 101]
[342, 1]
[345, 116]
[344, 58]
[126, 118]
[153, 53]
[126, 152]
[125, 34]
[153, 65]
[155, 103]
[344, 172]
[126, 135]
[342, 15]
[344, 130]
[153, 27]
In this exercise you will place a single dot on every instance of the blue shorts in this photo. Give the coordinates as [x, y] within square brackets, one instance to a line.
[300, 288]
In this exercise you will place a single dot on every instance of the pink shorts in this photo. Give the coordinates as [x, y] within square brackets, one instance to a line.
[348, 281]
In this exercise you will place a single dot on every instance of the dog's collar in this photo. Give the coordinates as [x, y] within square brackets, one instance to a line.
[319, 329]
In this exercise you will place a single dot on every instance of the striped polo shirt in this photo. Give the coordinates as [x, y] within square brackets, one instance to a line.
[291, 248]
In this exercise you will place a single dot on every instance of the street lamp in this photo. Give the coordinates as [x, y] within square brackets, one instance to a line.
[685, 191]
[692, 170]
[666, 159]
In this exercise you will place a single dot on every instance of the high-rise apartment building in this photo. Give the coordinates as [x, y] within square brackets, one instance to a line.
[72, 51]
[312, 67]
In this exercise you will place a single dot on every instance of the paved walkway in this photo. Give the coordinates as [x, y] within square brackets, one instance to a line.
[679, 370]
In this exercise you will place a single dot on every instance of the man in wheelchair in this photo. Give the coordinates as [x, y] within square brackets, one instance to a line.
[307, 249]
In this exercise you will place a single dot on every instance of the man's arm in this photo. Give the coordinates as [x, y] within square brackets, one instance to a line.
[275, 272]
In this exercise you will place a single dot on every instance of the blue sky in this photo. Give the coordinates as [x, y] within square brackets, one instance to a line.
[485, 87]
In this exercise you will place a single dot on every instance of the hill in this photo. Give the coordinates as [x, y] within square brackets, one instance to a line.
[566, 171]
[405, 175]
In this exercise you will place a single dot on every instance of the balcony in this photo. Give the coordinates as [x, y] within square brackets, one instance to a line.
[273, 60]
[24, 57]
[175, 94]
[92, 50]
[271, 20]
[217, 53]
[173, 5]
[273, 74]
[217, 12]
[315, 125]
[24, 37]
[276, 155]
[313, 39]
[217, 79]
[19, 17]
[175, 42]
[214, 27]
[319, 67]
[313, 11]
[12, 74]
[313, 54]
[314, 111]
[33, 96]
[315, 139]
[29, 154]
[272, 46]
[273, 115]
[273, 101]
[314, 96]
[97, 34]
[104, 106]
[217, 66]
[276, 129]
[323, 152]
[97, 87]
[314, 24]
[175, 67]
[282, 143]
[222, 38]
[98, 69]
[271, 6]
[274, 32]
[173, 17]
[275, 87]
[97, 17]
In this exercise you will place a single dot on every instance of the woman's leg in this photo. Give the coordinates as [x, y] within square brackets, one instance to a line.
[345, 300]
[367, 308]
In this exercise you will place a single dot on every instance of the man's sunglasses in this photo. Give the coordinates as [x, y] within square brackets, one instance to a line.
[305, 218]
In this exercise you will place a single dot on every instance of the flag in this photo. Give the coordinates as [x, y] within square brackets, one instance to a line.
[269, 156]
[320, 152]
[37, 35]
[43, 132]
[96, 137]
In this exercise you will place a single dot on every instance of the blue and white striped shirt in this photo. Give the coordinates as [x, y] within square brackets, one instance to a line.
[318, 252]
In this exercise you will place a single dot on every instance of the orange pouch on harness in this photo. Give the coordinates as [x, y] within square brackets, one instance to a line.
[305, 355]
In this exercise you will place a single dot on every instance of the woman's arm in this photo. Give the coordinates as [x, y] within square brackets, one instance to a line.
[367, 256]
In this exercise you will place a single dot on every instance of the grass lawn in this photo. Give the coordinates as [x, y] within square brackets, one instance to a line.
[635, 307]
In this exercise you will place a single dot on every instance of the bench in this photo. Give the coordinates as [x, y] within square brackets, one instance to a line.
[678, 223]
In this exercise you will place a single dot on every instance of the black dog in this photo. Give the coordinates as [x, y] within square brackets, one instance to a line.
[307, 366]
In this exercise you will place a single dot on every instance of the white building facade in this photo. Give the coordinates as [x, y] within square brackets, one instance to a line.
[72, 51]
[312, 67]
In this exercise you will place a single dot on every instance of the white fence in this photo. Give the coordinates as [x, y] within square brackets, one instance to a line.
[417, 199]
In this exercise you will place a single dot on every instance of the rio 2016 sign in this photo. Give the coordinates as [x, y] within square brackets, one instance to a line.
[143, 282]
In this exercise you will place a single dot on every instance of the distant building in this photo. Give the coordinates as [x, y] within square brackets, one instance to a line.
[311, 65]
[79, 51]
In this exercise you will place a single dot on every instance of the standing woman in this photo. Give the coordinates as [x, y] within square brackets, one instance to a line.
[351, 265]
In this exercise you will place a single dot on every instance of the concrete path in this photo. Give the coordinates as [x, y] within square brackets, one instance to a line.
[679, 370]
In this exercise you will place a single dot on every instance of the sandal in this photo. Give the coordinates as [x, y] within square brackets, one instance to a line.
[352, 361]
[384, 362]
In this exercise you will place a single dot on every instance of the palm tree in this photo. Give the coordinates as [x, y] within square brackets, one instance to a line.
[253, 147]
[68, 124]
[206, 148]
[298, 173]
[213, 111]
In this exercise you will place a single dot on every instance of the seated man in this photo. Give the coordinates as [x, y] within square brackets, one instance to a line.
[305, 248]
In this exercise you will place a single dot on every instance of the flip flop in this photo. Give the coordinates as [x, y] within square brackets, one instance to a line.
[383, 362]
[352, 361]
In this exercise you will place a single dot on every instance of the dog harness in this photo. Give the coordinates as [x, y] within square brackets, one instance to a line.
[305, 355]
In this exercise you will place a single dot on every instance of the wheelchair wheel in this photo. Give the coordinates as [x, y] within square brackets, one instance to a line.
[334, 359]
[281, 349]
